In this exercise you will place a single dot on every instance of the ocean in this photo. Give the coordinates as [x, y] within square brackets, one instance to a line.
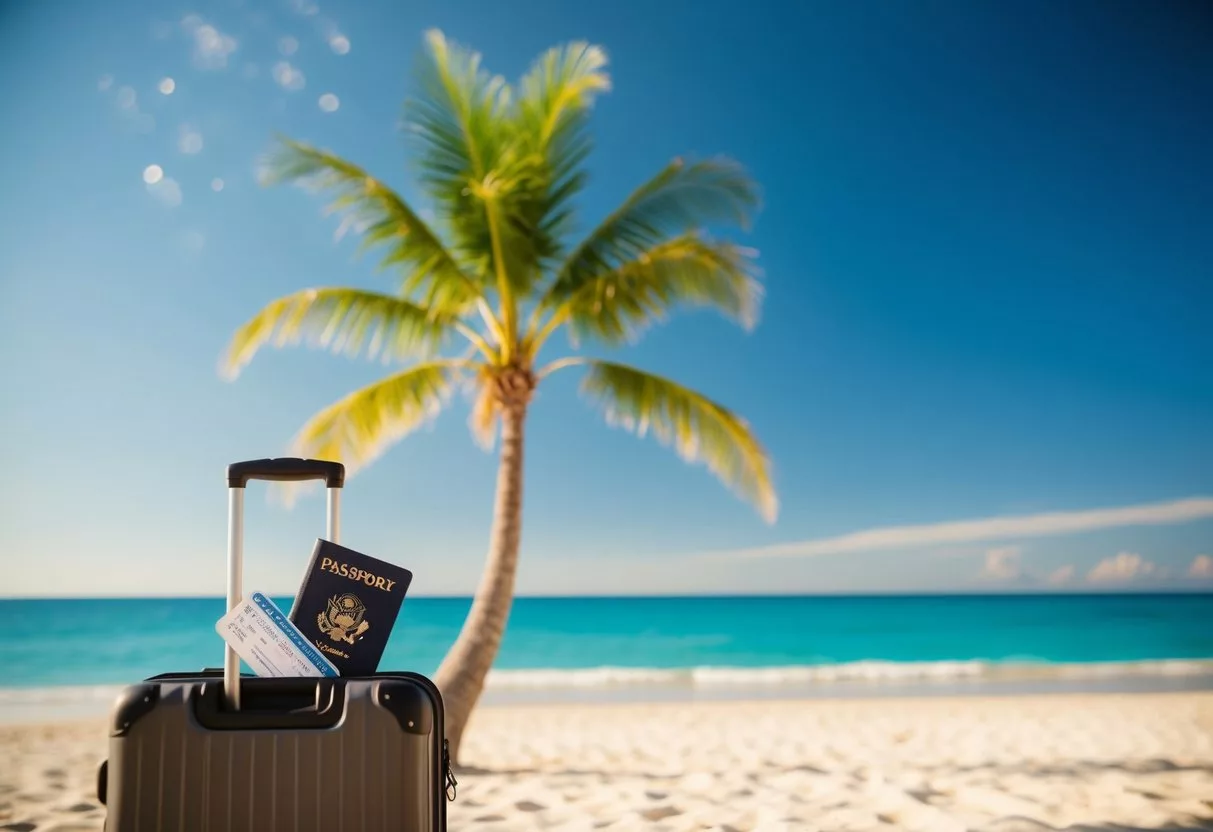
[73, 655]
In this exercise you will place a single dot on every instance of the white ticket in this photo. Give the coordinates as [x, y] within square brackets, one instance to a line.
[267, 640]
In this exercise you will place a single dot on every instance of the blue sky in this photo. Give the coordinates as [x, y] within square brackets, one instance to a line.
[987, 236]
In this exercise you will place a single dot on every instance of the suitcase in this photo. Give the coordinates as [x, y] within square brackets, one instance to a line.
[220, 751]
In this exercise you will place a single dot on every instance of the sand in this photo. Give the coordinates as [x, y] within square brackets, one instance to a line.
[1073, 762]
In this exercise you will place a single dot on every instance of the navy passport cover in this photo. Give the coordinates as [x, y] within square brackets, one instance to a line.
[347, 605]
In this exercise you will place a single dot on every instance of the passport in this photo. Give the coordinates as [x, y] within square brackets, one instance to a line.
[347, 605]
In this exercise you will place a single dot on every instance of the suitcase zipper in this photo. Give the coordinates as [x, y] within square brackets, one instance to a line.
[451, 783]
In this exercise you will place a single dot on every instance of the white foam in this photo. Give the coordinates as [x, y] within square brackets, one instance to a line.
[36, 703]
[860, 671]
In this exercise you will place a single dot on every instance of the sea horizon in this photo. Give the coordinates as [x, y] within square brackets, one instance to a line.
[941, 593]
[74, 655]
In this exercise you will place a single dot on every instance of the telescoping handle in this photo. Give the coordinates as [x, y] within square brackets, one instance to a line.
[275, 470]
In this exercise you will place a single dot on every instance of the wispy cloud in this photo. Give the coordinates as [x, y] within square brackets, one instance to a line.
[989, 529]
[189, 140]
[127, 102]
[289, 77]
[1060, 575]
[1125, 566]
[1002, 564]
[307, 8]
[211, 46]
[339, 43]
[1202, 567]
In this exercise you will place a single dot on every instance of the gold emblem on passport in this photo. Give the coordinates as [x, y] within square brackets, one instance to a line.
[343, 618]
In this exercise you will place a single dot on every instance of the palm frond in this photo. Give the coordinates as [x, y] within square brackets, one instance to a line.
[357, 429]
[343, 320]
[460, 121]
[554, 102]
[559, 87]
[383, 217]
[680, 199]
[460, 117]
[616, 305]
[699, 429]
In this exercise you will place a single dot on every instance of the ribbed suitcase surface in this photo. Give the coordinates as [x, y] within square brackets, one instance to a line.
[363, 754]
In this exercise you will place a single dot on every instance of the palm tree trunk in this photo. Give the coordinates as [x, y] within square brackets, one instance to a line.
[463, 671]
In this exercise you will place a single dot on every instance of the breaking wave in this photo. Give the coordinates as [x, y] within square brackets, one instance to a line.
[824, 674]
[92, 700]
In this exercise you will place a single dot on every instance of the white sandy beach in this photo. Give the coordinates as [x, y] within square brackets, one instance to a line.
[1072, 762]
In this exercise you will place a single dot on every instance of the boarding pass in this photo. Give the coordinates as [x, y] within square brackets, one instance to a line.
[267, 640]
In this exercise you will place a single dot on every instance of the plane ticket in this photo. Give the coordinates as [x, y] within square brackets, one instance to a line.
[267, 640]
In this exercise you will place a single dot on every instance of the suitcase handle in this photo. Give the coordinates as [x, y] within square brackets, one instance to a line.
[286, 469]
[272, 704]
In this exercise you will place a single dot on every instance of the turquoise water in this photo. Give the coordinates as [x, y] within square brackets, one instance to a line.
[599, 643]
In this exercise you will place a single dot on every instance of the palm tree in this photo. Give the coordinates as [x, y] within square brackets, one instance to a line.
[493, 268]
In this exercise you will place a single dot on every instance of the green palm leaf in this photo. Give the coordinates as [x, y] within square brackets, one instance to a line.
[357, 429]
[460, 118]
[554, 102]
[466, 142]
[616, 305]
[342, 320]
[680, 199]
[384, 218]
[699, 429]
[557, 91]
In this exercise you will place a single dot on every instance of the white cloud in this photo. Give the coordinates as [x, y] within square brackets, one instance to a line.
[166, 86]
[189, 140]
[304, 7]
[288, 45]
[1202, 567]
[216, 184]
[989, 528]
[288, 76]
[128, 105]
[340, 44]
[329, 102]
[1125, 566]
[1060, 575]
[211, 47]
[127, 99]
[1002, 563]
[166, 190]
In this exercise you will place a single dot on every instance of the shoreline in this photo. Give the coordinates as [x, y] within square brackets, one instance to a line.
[1090, 762]
[32, 704]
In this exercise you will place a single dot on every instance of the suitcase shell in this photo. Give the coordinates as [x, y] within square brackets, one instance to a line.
[353, 754]
[218, 751]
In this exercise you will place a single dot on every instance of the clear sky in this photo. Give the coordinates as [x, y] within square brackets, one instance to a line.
[987, 236]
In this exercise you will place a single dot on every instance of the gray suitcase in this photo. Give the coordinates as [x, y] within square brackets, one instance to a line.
[218, 751]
